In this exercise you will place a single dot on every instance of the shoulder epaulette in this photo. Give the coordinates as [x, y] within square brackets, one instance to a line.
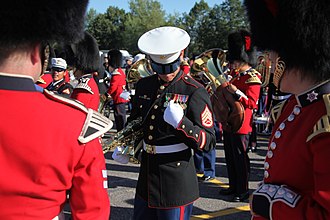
[253, 77]
[277, 110]
[323, 124]
[95, 124]
[83, 84]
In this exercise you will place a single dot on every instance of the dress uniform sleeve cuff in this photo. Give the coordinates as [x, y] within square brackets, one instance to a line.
[267, 194]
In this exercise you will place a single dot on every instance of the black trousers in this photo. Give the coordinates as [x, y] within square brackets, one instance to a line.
[120, 115]
[237, 161]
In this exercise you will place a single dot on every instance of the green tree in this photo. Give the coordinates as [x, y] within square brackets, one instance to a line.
[108, 28]
[209, 27]
[193, 21]
[143, 16]
[233, 17]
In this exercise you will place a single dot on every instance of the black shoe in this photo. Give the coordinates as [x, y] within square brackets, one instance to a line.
[241, 197]
[226, 191]
[205, 178]
[208, 178]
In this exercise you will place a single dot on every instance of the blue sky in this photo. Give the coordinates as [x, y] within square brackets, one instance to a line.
[170, 6]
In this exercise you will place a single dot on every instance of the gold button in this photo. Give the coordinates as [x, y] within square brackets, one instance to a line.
[151, 127]
[183, 126]
[162, 87]
[141, 106]
[150, 137]
[158, 96]
[190, 132]
[196, 135]
[155, 106]
[153, 117]
[178, 164]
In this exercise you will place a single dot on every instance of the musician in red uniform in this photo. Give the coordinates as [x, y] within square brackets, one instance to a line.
[246, 86]
[297, 166]
[117, 86]
[86, 63]
[42, 162]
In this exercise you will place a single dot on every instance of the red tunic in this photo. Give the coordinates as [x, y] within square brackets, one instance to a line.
[298, 156]
[87, 92]
[117, 85]
[249, 83]
[41, 159]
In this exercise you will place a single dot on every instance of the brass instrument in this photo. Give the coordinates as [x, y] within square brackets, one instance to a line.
[264, 66]
[138, 70]
[227, 110]
[131, 138]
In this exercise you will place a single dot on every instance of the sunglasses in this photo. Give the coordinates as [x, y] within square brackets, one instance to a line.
[55, 69]
[163, 69]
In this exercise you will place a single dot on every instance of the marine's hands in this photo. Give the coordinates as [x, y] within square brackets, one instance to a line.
[173, 114]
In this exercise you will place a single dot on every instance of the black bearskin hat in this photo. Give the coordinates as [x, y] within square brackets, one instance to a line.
[298, 30]
[240, 47]
[26, 21]
[86, 54]
[115, 58]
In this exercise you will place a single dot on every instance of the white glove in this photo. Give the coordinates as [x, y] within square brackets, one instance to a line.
[125, 95]
[118, 155]
[173, 114]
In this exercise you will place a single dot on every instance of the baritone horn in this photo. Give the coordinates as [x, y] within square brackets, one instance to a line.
[227, 109]
[209, 66]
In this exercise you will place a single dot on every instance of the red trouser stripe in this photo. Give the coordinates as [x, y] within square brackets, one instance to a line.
[182, 212]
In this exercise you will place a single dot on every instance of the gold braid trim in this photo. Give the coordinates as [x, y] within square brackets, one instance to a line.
[253, 77]
[323, 124]
[277, 110]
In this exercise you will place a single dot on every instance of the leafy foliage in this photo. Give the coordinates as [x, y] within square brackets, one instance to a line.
[207, 26]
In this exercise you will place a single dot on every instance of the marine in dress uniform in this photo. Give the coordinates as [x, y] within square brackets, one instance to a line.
[86, 63]
[177, 116]
[42, 161]
[59, 84]
[246, 86]
[297, 166]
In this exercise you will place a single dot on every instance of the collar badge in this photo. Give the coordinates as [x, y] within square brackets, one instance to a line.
[312, 96]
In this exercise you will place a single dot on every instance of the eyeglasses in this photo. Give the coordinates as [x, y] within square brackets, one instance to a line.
[57, 69]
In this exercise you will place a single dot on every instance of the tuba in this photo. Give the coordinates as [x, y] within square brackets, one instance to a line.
[131, 137]
[138, 70]
[264, 66]
[227, 110]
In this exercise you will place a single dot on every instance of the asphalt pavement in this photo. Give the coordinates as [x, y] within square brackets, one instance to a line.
[122, 180]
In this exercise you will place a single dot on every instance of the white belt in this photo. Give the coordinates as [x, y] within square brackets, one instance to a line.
[153, 149]
[280, 97]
